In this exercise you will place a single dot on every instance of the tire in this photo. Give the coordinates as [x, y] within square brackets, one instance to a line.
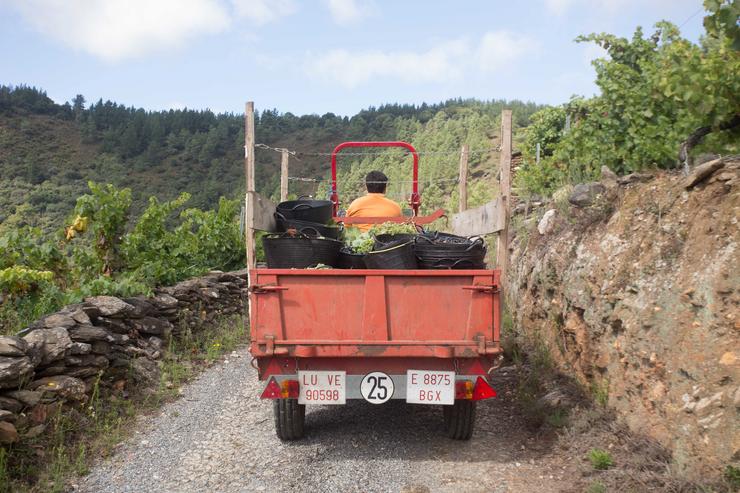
[289, 418]
[460, 419]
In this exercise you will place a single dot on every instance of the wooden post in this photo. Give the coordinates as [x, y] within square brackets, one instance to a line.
[463, 181]
[249, 171]
[284, 176]
[502, 246]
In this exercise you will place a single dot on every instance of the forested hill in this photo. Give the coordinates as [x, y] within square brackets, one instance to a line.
[49, 151]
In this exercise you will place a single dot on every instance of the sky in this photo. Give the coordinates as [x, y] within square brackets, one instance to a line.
[315, 56]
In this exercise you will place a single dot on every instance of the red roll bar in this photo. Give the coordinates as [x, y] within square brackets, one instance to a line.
[414, 200]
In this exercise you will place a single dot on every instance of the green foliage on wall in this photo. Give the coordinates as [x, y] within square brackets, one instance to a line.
[655, 92]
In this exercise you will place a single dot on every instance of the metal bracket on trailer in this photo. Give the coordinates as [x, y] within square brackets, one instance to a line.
[266, 288]
[483, 288]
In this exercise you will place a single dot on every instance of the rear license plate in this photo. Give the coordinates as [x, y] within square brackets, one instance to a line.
[430, 387]
[322, 387]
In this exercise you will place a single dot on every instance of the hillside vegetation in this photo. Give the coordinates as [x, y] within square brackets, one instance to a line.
[48, 151]
[170, 208]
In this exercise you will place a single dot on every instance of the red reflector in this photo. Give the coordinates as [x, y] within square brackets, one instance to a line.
[482, 390]
[272, 391]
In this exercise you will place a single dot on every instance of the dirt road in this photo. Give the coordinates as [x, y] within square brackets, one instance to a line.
[219, 437]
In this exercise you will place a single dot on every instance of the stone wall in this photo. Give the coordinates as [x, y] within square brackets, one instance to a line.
[61, 356]
[635, 290]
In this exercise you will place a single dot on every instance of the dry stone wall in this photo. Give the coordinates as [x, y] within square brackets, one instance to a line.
[60, 357]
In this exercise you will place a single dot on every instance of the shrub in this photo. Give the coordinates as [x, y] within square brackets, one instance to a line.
[732, 477]
[600, 459]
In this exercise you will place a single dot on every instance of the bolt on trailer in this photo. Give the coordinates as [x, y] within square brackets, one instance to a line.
[323, 336]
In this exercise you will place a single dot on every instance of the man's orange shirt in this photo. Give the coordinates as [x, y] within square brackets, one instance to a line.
[373, 205]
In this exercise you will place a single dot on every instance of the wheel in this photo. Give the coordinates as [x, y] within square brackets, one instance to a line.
[460, 419]
[289, 418]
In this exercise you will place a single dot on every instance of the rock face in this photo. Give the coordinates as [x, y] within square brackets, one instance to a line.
[12, 346]
[69, 388]
[50, 344]
[609, 178]
[8, 433]
[703, 171]
[584, 194]
[110, 306]
[106, 337]
[13, 371]
[546, 223]
[644, 303]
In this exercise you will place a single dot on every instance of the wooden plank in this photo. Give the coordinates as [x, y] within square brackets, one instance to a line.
[284, 176]
[263, 212]
[502, 245]
[249, 172]
[463, 180]
[482, 220]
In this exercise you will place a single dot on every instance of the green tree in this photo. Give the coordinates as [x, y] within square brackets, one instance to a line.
[78, 106]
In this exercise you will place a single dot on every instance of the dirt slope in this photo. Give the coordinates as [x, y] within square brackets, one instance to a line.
[637, 296]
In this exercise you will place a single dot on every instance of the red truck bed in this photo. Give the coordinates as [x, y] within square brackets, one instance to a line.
[338, 313]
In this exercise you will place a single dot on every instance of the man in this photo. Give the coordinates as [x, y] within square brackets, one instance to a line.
[375, 203]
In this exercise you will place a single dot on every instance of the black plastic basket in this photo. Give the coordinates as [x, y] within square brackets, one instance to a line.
[351, 260]
[445, 251]
[285, 251]
[388, 240]
[307, 228]
[315, 211]
[447, 263]
[443, 242]
[400, 256]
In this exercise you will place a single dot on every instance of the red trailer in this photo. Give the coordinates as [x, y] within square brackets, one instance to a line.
[424, 336]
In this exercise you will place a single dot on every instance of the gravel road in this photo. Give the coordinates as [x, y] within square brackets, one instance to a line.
[219, 437]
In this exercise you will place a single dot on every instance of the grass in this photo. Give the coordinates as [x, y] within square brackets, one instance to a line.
[558, 418]
[77, 435]
[596, 487]
[732, 477]
[600, 392]
[532, 385]
[600, 460]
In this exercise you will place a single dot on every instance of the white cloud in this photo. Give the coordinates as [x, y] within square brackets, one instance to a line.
[346, 12]
[264, 11]
[352, 69]
[499, 48]
[560, 7]
[117, 29]
[447, 61]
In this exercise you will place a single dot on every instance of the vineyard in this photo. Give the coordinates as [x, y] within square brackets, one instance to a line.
[105, 250]
[657, 92]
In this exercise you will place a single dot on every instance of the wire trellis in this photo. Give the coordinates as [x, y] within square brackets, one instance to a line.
[398, 189]
[377, 153]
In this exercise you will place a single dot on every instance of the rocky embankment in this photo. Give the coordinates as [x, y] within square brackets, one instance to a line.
[107, 339]
[633, 286]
